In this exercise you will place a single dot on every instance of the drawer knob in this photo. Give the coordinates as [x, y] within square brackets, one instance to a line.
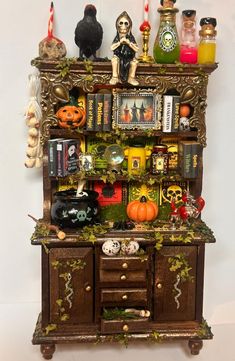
[125, 265]
[88, 288]
[159, 285]
[124, 297]
[125, 328]
[123, 277]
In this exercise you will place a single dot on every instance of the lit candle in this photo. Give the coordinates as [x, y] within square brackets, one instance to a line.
[146, 10]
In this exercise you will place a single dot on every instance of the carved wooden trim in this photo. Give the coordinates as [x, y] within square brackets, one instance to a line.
[189, 81]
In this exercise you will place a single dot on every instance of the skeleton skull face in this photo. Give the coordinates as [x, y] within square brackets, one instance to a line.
[81, 216]
[123, 24]
[174, 192]
[72, 150]
[51, 48]
[168, 40]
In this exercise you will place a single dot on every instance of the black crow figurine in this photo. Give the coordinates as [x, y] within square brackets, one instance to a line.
[88, 33]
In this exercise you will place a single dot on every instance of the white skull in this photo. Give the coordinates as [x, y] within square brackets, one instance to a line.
[174, 192]
[81, 216]
[184, 124]
[168, 39]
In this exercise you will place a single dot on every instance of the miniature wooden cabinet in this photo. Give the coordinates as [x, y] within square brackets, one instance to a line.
[82, 288]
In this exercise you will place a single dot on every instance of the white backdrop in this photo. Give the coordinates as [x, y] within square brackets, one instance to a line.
[23, 25]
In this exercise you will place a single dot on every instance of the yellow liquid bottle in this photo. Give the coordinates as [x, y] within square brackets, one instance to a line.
[207, 44]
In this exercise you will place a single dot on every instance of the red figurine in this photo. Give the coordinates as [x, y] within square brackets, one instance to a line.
[188, 211]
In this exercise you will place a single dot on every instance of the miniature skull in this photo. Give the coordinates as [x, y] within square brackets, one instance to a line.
[51, 48]
[174, 192]
[81, 216]
[168, 40]
[184, 124]
[123, 24]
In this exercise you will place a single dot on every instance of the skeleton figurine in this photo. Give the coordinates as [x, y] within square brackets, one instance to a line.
[124, 48]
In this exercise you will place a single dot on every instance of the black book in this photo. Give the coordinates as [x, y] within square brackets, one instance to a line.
[52, 157]
[99, 104]
[107, 113]
[90, 112]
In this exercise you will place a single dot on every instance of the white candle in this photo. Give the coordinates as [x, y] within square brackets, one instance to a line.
[146, 10]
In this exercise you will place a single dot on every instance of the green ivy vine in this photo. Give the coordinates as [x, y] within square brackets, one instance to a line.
[180, 265]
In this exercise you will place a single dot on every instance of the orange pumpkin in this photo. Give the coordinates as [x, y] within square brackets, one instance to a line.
[142, 210]
[71, 117]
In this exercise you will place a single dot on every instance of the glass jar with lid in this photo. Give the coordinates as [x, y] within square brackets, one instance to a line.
[188, 43]
[207, 44]
[159, 160]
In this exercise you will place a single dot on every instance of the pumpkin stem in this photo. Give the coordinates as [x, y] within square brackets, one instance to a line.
[143, 199]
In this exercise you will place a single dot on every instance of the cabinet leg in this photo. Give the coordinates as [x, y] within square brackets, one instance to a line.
[195, 346]
[47, 351]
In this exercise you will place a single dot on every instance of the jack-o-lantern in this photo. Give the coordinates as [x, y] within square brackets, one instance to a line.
[71, 117]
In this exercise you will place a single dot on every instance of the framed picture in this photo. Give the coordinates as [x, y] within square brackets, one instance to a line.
[137, 109]
[86, 162]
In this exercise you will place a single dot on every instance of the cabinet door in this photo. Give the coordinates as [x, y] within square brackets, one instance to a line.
[71, 285]
[174, 297]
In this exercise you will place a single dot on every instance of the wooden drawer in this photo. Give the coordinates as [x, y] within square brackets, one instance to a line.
[123, 263]
[122, 278]
[124, 297]
[125, 326]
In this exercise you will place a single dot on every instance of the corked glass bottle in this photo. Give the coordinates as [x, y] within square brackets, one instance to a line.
[188, 43]
[166, 48]
[207, 44]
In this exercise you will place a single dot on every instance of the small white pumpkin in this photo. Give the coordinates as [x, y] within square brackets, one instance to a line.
[111, 248]
[130, 247]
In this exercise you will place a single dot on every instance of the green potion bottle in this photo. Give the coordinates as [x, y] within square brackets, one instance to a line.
[166, 48]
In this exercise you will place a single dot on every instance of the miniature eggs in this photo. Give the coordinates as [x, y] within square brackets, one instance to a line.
[110, 247]
[130, 248]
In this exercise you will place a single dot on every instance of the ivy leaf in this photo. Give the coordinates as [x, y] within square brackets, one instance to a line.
[151, 181]
[59, 302]
[50, 327]
[64, 317]
[104, 178]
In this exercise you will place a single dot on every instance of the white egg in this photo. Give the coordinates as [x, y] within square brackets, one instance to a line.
[130, 248]
[110, 248]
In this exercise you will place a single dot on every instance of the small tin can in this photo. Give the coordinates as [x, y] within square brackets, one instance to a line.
[159, 159]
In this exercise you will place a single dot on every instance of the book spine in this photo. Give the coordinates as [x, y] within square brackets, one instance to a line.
[52, 158]
[184, 159]
[60, 167]
[107, 113]
[196, 159]
[99, 104]
[71, 159]
[167, 113]
[175, 113]
[189, 159]
[90, 123]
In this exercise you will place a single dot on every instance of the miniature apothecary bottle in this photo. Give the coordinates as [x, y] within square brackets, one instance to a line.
[188, 44]
[159, 159]
[207, 44]
[137, 155]
[166, 47]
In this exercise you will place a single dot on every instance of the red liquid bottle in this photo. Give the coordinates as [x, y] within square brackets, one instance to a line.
[188, 46]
